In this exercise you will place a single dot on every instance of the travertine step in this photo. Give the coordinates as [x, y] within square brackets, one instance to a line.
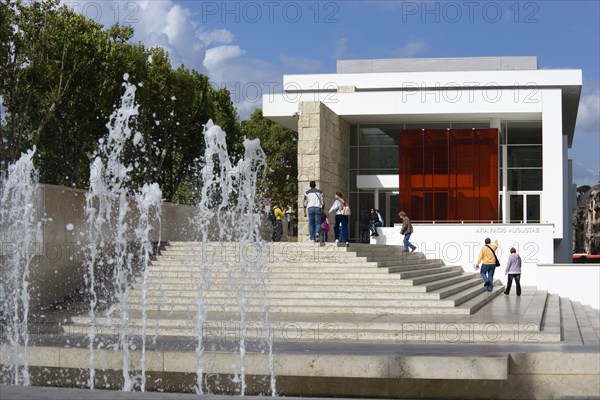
[588, 334]
[439, 274]
[300, 303]
[468, 294]
[368, 247]
[411, 266]
[302, 260]
[370, 310]
[434, 282]
[299, 294]
[310, 286]
[292, 272]
[594, 316]
[227, 275]
[551, 318]
[334, 280]
[569, 328]
[446, 281]
[392, 257]
[272, 269]
[457, 287]
[535, 310]
[295, 332]
[420, 272]
[187, 289]
[482, 299]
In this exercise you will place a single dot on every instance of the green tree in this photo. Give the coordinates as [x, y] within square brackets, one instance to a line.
[62, 77]
[281, 148]
[59, 84]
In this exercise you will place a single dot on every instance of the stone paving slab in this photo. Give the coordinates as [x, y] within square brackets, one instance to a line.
[50, 393]
[490, 349]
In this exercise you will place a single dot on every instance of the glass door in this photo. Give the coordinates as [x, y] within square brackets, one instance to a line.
[392, 208]
[524, 207]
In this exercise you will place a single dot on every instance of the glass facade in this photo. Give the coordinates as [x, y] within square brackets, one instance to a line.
[373, 151]
[521, 142]
[456, 174]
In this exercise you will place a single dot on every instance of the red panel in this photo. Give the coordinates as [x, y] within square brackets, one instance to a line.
[487, 139]
[462, 170]
[449, 174]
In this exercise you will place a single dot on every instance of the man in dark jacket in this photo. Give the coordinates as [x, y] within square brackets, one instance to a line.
[406, 230]
[363, 220]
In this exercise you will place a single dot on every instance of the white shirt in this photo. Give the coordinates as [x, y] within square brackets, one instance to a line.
[313, 198]
[337, 205]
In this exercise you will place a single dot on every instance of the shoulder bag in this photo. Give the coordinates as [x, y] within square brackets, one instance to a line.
[494, 253]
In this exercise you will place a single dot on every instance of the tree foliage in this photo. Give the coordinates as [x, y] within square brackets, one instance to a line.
[281, 147]
[61, 77]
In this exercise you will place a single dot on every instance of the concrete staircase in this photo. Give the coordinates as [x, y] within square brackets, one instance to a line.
[328, 280]
[370, 293]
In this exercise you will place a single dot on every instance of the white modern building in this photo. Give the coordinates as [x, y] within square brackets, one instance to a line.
[469, 147]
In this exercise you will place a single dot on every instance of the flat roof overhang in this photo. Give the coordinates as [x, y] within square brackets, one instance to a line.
[389, 98]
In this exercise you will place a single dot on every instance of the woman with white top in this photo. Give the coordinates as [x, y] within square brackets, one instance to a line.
[340, 219]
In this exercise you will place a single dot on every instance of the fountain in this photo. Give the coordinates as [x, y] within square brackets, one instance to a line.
[109, 216]
[122, 233]
[18, 223]
[228, 200]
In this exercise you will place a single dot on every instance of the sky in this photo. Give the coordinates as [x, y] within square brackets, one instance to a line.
[247, 46]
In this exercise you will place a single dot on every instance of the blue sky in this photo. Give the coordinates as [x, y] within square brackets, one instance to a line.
[249, 45]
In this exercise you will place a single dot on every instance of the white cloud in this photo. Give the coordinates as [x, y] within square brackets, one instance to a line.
[588, 115]
[340, 48]
[218, 36]
[410, 49]
[172, 26]
[217, 57]
[156, 23]
[247, 79]
[300, 63]
[584, 175]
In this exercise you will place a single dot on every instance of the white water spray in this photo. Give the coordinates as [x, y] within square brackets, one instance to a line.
[149, 203]
[18, 225]
[228, 201]
[108, 214]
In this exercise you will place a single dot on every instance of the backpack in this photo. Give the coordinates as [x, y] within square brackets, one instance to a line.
[271, 215]
[345, 208]
[325, 226]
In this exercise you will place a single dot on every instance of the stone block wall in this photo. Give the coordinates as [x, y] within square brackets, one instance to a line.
[323, 156]
[57, 268]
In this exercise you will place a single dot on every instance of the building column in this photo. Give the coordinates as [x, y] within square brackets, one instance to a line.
[323, 156]
[496, 123]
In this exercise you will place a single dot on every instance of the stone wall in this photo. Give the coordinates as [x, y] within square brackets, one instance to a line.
[57, 268]
[323, 156]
